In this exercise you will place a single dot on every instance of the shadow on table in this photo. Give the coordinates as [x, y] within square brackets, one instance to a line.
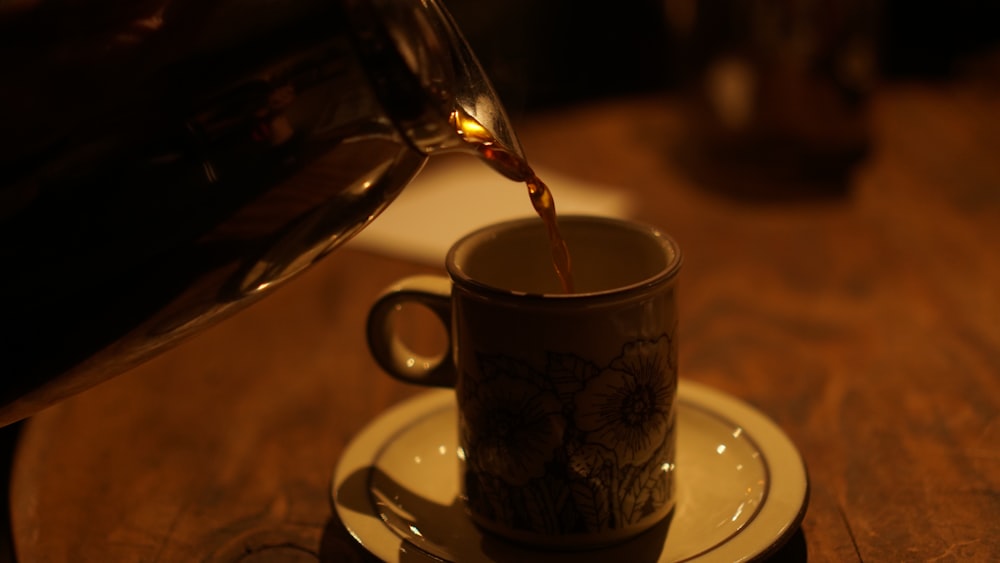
[8, 442]
[770, 175]
[793, 551]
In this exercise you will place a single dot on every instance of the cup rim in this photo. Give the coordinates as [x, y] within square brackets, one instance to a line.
[666, 275]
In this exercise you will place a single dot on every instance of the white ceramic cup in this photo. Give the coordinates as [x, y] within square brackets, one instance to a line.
[566, 401]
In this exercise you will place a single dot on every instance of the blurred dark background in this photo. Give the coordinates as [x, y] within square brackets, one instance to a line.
[542, 54]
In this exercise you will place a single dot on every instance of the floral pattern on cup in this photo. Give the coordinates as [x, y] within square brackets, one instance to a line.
[573, 449]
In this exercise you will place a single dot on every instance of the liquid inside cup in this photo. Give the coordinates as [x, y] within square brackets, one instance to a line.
[607, 255]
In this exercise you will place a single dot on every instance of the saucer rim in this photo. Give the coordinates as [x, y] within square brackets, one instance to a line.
[777, 521]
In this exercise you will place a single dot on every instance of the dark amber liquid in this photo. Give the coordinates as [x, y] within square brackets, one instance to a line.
[517, 168]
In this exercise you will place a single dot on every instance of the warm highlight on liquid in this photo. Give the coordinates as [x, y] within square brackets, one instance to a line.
[518, 169]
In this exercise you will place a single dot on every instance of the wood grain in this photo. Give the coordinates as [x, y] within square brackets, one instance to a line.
[865, 321]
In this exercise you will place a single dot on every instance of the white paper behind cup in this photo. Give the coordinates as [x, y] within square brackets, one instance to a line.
[456, 194]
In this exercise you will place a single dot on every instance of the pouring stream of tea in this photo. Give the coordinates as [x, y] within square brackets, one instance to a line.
[517, 168]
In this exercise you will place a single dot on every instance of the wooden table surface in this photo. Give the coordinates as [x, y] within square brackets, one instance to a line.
[865, 323]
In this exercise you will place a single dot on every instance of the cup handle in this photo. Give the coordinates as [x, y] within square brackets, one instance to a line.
[389, 350]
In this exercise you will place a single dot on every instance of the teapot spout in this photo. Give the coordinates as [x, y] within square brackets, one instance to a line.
[441, 99]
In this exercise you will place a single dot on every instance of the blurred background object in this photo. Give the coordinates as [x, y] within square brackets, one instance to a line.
[777, 92]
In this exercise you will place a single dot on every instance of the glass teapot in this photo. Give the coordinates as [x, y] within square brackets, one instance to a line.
[165, 163]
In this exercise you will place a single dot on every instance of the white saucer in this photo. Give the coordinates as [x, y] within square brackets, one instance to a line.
[742, 488]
